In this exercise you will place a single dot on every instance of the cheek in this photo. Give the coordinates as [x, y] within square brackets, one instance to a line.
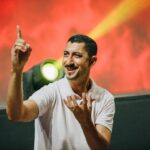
[83, 64]
[63, 61]
[81, 61]
[63, 64]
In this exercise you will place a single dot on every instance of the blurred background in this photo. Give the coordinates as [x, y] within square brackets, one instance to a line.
[120, 27]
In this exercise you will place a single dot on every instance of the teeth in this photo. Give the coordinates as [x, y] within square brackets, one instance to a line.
[68, 68]
[71, 69]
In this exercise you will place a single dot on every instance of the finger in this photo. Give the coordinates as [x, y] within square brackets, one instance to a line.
[29, 49]
[84, 99]
[72, 103]
[19, 48]
[66, 102]
[69, 101]
[89, 102]
[19, 35]
[20, 41]
[77, 97]
[28, 46]
[19, 44]
[73, 99]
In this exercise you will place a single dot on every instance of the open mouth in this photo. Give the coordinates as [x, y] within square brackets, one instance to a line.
[71, 69]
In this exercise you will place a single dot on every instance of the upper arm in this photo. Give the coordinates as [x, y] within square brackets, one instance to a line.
[30, 111]
[104, 132]
[104, 121]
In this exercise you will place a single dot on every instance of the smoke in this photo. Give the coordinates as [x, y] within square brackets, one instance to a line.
[123, 57]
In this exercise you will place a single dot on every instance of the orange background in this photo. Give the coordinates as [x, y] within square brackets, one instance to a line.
[123, 65]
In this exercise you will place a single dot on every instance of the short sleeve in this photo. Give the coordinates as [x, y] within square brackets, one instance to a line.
[44, 98]
[106, 115]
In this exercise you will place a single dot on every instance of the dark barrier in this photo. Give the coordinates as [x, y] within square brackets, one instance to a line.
[15, 136]
[131, 124]
[131, 129]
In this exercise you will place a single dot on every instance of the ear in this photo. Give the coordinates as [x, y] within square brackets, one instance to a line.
[93, 60]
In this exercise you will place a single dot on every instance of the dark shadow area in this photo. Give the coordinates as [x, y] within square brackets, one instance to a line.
[14, 135]
[132, 123]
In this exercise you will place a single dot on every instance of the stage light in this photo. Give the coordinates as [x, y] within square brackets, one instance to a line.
[50, 70]
[41, 74]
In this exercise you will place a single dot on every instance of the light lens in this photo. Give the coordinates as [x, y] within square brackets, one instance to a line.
[50, 71]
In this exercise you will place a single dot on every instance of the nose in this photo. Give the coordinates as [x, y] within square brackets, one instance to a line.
[69, 60]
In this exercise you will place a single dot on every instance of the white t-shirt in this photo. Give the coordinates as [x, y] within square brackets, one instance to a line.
[56, 128]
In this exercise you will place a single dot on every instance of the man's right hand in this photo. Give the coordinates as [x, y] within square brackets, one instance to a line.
[20, 52]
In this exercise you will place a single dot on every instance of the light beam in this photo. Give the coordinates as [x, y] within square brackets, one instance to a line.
[123, 12]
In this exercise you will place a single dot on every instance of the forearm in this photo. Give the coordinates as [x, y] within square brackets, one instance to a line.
[14, 96]
[94, 140]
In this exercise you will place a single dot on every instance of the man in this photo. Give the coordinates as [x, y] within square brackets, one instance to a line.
[72, 113]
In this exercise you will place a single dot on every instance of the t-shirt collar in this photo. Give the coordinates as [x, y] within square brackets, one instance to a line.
[71, 92]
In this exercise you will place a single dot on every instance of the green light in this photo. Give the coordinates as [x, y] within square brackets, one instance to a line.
[49, 71]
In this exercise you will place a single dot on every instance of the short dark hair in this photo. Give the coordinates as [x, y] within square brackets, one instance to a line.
[90, 44]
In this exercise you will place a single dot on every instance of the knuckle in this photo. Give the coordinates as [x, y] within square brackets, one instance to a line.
[68, 97]
[72, 96]
[20, 41]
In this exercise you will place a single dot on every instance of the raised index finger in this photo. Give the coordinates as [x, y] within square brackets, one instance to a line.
[19, 35]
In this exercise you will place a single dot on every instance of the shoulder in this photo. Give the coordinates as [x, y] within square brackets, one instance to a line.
[100, 92]
[55, 84]
[47, 91]
[58, 82]
[104, 100]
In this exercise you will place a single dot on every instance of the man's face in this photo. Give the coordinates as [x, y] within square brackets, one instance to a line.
[76, 61]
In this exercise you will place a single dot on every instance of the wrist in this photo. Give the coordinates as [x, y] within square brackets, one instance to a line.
[16, 71]
[86, 124]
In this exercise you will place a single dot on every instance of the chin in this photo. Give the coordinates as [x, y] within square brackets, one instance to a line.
[71, 77]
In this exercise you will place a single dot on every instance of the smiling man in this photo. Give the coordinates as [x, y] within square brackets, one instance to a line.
[73, 113]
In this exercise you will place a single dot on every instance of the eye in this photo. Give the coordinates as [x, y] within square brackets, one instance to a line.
[66, 54]
[77, 55]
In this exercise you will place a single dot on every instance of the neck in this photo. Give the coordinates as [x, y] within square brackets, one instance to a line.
[81, 86]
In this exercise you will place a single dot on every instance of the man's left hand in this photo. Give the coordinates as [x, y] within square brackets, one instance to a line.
[81, 111]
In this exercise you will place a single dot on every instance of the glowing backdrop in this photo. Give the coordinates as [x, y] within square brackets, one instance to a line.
[120, 27]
